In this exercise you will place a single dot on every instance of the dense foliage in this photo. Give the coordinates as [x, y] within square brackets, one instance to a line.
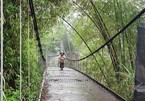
[113, 65]
[32, 64]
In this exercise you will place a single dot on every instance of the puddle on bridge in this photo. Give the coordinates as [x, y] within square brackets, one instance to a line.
[70, 85]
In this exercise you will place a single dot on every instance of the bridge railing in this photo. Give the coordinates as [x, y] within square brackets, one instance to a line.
[113, 63]
[104, 72]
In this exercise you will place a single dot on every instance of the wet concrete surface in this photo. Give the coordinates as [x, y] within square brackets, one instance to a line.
[70, 85]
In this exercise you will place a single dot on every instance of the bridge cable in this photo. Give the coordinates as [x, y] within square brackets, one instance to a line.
[117, 34]
[85, 44]
[36, 28]
[1, 73]
[20, 10]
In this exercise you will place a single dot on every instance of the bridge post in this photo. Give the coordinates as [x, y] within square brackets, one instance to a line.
[139, 89]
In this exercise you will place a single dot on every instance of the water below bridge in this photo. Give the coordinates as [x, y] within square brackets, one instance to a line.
[71, 85]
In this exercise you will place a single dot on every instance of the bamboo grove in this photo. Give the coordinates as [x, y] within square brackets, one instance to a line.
[95, 21]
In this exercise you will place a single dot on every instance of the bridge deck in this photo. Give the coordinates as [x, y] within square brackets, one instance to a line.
[70, 85]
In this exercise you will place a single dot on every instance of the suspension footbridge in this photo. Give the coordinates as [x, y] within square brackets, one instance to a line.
[71, 85]
[103, 71]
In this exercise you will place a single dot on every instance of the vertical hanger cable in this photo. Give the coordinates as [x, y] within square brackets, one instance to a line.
[1, 95]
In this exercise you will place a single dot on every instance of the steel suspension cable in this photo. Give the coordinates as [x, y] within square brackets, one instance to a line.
[20, 10]
[36, 28]
[117, 34]
[85, 44]
[1, 88]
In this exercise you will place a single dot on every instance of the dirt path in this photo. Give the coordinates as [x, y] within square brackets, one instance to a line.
[70, 85]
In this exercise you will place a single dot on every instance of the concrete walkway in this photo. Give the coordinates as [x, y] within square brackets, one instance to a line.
[70, 85]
